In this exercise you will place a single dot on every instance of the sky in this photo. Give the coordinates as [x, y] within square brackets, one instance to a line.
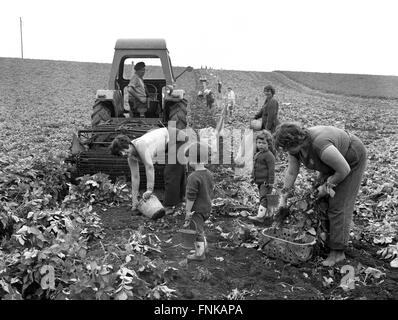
[336, 36]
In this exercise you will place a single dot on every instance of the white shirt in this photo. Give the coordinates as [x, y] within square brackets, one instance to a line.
[138, 88]
[231, 97]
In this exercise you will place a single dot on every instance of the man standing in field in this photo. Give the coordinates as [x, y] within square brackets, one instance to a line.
[137, 91]
[209, 98]
[219, 86]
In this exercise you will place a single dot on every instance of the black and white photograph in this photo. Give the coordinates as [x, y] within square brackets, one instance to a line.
[199, 155]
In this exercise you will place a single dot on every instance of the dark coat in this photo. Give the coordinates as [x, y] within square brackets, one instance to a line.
[269, 115]
[264, 167]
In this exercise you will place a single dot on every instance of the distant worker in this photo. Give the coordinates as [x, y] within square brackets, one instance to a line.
[219, 86]
[269, 111]
[230, 100]
[209, 98]
[255, 104]
[132, 69]
[137, 91]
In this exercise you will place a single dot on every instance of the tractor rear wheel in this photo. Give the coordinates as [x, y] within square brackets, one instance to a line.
[178, 113]
[101, 113]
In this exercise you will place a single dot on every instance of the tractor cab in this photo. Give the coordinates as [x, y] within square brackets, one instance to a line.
[159, 81]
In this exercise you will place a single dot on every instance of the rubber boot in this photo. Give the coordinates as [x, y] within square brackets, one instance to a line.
[199, 254]
[260, 214]
[206, 246]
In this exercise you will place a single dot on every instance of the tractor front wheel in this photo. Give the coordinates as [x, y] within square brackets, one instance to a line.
[101, 113]
[178, 113]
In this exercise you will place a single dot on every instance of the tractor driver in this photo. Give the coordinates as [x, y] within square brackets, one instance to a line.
[148, 149]
[137, 91]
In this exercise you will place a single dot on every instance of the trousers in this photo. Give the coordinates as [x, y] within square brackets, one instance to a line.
[263, 191]
[197, 224]
[341, 206]
[174, 184]
[135, 104]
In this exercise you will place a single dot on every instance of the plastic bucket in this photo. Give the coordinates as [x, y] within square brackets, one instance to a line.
[151, 208]
[256, 124]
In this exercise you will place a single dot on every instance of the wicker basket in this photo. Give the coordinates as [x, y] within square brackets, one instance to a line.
[280, 244]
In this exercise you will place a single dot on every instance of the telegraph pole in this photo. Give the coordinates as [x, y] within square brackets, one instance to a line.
[20, 27]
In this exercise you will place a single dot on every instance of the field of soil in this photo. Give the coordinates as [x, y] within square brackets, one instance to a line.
[42, 103]
[383, 87]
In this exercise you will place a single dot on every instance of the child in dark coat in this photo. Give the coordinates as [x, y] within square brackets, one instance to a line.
[264, 171]
[199, 193]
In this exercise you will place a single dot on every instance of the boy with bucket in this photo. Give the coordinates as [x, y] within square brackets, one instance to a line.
[264, 172]
[199, 192]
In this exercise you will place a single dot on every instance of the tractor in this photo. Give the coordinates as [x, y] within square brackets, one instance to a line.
[90, 147]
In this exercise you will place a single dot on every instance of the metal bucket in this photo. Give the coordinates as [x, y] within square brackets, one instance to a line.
[187, 237]
[151, 208]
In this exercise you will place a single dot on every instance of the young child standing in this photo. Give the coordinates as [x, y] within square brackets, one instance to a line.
[199, 192]
[264, 171]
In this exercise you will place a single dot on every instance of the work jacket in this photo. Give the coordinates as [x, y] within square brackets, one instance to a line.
[264, 167]
[269, 115]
